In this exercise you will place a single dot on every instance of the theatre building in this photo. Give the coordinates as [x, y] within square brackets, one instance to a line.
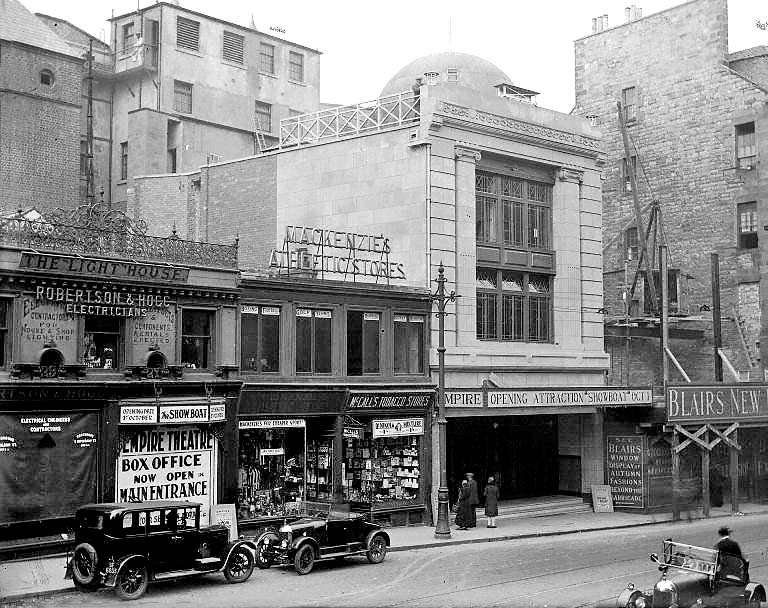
[116, 348]
[336, 400]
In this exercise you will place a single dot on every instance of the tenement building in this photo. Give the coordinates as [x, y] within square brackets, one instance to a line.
[693, 115]
[452, 165]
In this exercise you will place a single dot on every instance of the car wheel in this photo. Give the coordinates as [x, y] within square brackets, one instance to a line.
[377, 549]
[84, 564]
[304, 560]
[239, 566]
[754, 603]
[263, 560]
[132, 581]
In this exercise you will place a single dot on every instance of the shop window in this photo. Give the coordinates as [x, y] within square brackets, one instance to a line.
[319, 469]
[196, 338]
[409, 344]
[747, 219]
[5, 313]
[271, 471]
[313, 341]
[513, 306]
[102, 341]
[746, 146]
[295, 67]
[260, 339]
[382, 471]
[266, 58]
[363, 343]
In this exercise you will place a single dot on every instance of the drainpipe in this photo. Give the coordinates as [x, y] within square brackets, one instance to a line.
[428, 209]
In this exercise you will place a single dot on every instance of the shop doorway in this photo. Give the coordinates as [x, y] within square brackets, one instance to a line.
[519, 451]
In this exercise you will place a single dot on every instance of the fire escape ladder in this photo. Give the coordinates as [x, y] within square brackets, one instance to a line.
[261, 142]
[752, 356]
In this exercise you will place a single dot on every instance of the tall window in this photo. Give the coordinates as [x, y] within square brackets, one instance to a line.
[747, 220]
[363, 343]
[296, 66]
[626, 179]
[266, 58]
[233, 47]
[101, 346]
[264, 116]
[187, 34]
[515, 212]
[196, 328]
[409, 344]
[128, 37]
[313, 341]
[182, 97]
[124, 161]
[629, 103]
[631, 244]
[5, 308]
[513, 306]
[746, 146]
[260, 339]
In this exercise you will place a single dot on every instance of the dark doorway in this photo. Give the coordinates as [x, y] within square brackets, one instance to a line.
[519, 451]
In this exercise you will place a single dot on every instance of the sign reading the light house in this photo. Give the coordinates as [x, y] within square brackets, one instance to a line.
[320, 250]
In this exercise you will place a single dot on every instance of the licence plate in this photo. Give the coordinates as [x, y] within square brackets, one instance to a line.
[110, 570]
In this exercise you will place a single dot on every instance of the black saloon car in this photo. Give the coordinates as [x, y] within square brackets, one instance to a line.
[128, 545]
[326, 531]
[696, 577]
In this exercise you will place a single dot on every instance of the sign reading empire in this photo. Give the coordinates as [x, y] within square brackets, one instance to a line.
[365, 254]
[721, 403]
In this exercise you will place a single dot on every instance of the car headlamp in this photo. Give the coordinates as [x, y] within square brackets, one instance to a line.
[640, 602]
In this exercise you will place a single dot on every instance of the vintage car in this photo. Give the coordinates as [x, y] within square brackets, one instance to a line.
[696, 576]
[128, 545]
[325, 531]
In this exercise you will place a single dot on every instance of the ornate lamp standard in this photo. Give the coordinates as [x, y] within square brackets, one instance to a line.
[443, 526]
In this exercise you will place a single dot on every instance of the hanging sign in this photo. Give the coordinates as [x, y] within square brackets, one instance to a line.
[274, 423]
[398, 427]
[213, 410]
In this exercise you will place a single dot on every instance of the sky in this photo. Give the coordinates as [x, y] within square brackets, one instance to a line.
[365, 43]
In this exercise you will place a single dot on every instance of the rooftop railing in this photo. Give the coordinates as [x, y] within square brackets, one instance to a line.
[347, 121]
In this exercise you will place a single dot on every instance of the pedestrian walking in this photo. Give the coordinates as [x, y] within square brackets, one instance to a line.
[491, 493]
[463, 508]
[474, 498]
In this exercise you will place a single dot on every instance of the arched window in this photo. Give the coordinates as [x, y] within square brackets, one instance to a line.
[46, 77]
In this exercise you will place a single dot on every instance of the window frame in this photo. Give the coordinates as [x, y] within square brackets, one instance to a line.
[626, 181]
[266, 56]
[236, 44]
[185, 39]
[128, 37]
[211, 337]
[118, 334]
[746, 239]
[631, 244]
[363, 348]
[746, 153]
[182, 97]
[123, 161]
[423, 349]
[6, 336]
[629, 104]
[47, 74]
[293, 69]
[262, 109]
[259, 339]
[313, 354]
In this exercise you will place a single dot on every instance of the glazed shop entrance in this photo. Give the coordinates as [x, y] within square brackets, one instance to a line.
[521, 452]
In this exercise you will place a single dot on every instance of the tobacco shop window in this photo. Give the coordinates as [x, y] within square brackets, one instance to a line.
[363, 343]
[266, 58]
[629, 103]
[101, 342]
[260, 339]
[513, 306]
[626, 179]
[409, 344]
[196, 328]
[313, 341]
[187, 34]
[747, 220]
[746, 146]
[514, 212]
[182, 97]
[124, 161]
[631, 244]
[295, 66]
[5, 308]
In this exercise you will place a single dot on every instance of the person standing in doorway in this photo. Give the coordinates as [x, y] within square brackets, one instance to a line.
[491, 493]
[474, 499]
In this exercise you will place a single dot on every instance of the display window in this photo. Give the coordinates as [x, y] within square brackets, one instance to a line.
[320, 469]
[101, 342]
[382, 467]
[272, 467]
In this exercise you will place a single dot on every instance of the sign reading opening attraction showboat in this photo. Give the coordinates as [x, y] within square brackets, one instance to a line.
[320, 250]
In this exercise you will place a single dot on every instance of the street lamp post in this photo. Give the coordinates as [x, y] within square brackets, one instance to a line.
[443, 526]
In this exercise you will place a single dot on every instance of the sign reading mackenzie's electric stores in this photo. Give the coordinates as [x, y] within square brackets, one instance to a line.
[720, 403]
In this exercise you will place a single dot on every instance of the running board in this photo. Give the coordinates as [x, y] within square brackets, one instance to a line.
[164, 576]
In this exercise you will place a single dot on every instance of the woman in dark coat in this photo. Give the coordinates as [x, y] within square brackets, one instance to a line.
[463, 507]
[491, 494]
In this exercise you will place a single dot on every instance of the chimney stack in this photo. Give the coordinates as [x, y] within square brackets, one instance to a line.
[605, 21]
[628, 14]
[594, 25]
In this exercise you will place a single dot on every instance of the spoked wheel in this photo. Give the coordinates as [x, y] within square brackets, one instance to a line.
[84, 565]
[239, 566]
[754, 603]
[377, 550]
[132, 581]
[304, 560]
[263, 558]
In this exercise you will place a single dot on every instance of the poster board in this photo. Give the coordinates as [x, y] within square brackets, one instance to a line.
[225, 514]
[624, 460]
[602, 501]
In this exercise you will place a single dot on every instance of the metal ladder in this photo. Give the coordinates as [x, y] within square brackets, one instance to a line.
[752, 357]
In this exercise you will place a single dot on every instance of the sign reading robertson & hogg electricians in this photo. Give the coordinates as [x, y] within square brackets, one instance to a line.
[102, 302]
[718, 403]
[117, 269]
[318, 250]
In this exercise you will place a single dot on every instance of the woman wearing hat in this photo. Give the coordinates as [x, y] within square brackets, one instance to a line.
[491, 493]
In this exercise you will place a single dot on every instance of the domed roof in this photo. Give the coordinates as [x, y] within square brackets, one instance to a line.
[473, 72]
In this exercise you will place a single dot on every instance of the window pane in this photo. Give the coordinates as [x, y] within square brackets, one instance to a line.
[322, 345]
[182, 97]
[486, 278]
[485, 182]
[409, 344]
[303, 342]
[538, 311]
[371, 345]
[249, 327]
[270, 340]
[194, 352]
[354, 343]
[267, 58]
[264, 116]
[538, 283]
[486, 316]
[746, 146]
[195, 341]
[512, 318]
[511, 187]
[513, 223]
[196, 323]
[541, 193]
[486, 219]
[511, 281]
[296, 66]
[538, 227]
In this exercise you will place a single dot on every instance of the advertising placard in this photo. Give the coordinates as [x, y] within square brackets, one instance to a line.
[398, 427]
[173, 414]
[225, 514]
[569, 398]
[43, 324]
[602, 501]
[138, 414]
[273, 423]
[157, 330]
[624, 467]
[719, 403]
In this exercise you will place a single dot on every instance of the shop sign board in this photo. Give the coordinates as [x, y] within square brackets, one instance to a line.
[463, 398]
[602, 501]
[569, 398]
[398, 427]
[101, 302]
[272, 423]
[168, 464]
[177, 413]
[389, 400]
[138, 414]
[624, 468]
[46, 323]
[717, 403]
[352, 432]
[113, 269]
[271, 452]
[156, 330]
[225, 514]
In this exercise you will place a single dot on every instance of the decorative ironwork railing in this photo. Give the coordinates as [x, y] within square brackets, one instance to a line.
[96, 230]
[345, 121]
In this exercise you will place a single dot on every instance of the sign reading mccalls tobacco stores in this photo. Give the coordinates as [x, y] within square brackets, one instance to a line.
[717, 403]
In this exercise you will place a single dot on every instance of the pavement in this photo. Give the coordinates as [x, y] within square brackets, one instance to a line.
[44, 576]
